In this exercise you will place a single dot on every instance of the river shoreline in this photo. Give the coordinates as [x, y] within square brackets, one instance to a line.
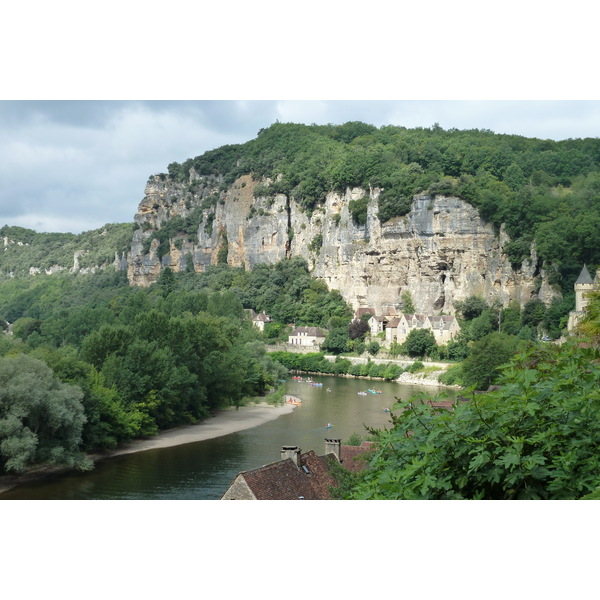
[226, 421]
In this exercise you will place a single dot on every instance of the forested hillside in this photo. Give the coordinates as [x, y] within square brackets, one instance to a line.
[541, 190]
[24, 249]
[105, 362]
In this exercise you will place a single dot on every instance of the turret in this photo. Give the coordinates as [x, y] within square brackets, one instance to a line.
[583, 285]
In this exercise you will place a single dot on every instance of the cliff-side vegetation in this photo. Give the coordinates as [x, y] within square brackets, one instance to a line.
[536, 437]
[285, 291]
[26, 248]
[541, 190]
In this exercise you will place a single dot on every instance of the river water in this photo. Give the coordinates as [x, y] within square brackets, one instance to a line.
[204, 470]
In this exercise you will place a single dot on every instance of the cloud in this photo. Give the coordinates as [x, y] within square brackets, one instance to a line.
[76, 165]
[89, 162]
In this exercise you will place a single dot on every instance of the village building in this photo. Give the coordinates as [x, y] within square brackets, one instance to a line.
[583, 286]
[364, 310]
[377, 325]
[307, 336]
[297, 476]
[443, 327]
[259, 319]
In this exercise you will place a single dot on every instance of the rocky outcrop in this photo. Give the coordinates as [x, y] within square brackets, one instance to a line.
[441, 251]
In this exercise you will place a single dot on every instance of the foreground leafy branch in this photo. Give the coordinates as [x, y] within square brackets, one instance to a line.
[536, 437]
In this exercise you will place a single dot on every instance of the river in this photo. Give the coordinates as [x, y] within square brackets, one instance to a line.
[204, 470]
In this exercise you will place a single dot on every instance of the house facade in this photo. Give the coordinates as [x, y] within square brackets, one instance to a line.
[307, 336]
[443, 327]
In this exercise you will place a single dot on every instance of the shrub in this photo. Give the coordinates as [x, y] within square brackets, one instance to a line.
[416, 366]
[358, 210]
[535, 438]
[453, 376]
[419, 342]
[373, 348]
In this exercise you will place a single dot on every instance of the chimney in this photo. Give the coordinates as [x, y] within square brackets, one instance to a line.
[292, 452]
[333, 446]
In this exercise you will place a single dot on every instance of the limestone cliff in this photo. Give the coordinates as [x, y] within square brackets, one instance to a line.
[440, 252]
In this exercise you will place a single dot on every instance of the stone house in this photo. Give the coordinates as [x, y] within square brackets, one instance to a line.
[377, 324]
[444, 327]
[259, 320]
[307, 336]
[297, 476]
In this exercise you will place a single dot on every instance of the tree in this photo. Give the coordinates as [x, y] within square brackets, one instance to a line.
[533, 312]
[536, 437]
[419, 342]
[472, 307]
[358, 209]
[336, 341]
[25, 326]
[487, 354]
[408, 305]
[373, 348]
[590, 323]
[481, 325]
[357, 329]
[41, 418]
[510, 319]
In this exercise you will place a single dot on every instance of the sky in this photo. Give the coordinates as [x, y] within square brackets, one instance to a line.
[75, 165]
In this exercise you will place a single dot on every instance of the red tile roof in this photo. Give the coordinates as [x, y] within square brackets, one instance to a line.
[353, 457]
[282, 480]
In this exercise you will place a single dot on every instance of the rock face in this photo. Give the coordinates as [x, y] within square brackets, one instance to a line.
[441, 252]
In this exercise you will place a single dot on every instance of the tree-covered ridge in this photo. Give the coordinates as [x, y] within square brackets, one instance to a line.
[542, 190]
[24, 248]
[136, 360]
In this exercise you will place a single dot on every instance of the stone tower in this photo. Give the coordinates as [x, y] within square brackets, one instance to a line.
[583, 286]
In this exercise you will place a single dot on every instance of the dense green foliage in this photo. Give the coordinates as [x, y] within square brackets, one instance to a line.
[419, 342]
[41, 418]
[26, 248]
[536, 437]
[139, 360]
[541, 190]
[315, 362]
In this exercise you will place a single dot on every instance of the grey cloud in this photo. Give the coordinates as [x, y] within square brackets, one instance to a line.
[73, 165]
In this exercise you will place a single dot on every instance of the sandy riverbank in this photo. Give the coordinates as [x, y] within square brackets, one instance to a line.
[223, 423]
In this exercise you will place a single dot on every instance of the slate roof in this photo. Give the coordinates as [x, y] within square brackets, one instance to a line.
[584, 277]
[262, 317]
[441, 321]
[315, 331]
[282, 480]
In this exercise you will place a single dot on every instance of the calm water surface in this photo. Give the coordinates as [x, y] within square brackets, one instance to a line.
[204, 470]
